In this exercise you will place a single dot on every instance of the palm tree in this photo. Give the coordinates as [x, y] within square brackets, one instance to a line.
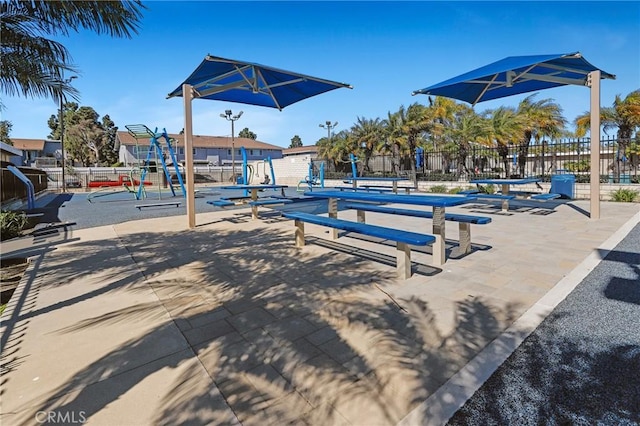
[504, 126]
[396, 137]
[467, 127]
[623, 115]
[32, 63]
[416, 120]
[368, 134]
[538, 118]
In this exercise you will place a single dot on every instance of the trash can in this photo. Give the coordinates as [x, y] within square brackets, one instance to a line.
[564, 184]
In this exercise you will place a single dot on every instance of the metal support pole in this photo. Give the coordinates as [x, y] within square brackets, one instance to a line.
[187, 92]
[64, 180]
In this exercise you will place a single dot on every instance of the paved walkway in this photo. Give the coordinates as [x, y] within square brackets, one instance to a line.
[146, 322]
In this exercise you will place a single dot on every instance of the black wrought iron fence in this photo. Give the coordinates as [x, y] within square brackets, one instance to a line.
[540, 159]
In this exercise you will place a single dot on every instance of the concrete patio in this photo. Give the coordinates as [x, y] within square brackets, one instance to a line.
[147, 322]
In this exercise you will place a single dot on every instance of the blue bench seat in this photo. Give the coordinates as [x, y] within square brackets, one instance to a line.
[362, 188]
[269, 201]
[402, 238]
[469, 192]
[221, 203]
[545, 197]
[464, 221]
[172, 203]
[505, 198]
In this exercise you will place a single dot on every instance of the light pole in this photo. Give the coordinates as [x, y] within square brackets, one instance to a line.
[327, 125]
[62, 98]
[228, 115]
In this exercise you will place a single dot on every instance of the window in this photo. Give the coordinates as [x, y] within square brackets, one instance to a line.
[181, 151]
[194, 151]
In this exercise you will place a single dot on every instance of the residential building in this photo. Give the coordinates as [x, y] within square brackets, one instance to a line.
[10, 154]
[33, 149]
[207, 150]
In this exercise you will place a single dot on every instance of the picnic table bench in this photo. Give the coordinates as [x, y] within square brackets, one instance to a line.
[407, 189]
[165, 204]
[464, 221]
[402, 238]
[362, 189]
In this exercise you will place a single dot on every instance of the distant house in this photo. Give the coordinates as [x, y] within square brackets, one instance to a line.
[310, 150]
[207, 150]
[10, 154]
[33, 149]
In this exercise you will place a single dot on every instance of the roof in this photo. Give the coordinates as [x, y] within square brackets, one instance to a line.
[29, 144]
[308, 149]
[200, 141]
[12, 150]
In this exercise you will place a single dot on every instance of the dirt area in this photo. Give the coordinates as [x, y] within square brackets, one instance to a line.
[11, 271]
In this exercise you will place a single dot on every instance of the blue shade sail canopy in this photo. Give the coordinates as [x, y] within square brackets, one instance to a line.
[254, 84]
[515, 75]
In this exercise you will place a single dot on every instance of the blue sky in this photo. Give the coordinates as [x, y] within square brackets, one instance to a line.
[385, 50]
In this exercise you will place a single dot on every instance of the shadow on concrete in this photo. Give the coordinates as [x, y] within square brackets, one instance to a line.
[285, 335]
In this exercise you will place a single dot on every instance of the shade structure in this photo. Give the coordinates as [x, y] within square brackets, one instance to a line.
[254, 84]
[524, 74]
[515, 75]
[240, 82]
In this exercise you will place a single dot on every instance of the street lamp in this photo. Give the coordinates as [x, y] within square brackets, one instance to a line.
[62, 99]
[228, 115]
[327, 125]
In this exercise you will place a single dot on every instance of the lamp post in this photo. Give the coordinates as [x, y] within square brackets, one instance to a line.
[327, 125]
[62, 99]
[228, 115]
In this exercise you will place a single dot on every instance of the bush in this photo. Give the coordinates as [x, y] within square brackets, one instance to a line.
[624, 195]
[455, 190]
[439, 189]
[11, 224]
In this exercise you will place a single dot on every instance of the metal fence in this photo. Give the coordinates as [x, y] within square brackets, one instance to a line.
[542, 159]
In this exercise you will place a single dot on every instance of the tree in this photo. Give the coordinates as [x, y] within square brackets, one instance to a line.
[367, 134]
[87, 140]
[624, 115]
[5, 131]
[246, 133]
[503, 127]
[538, 119]
[33, 64]
[296, 142]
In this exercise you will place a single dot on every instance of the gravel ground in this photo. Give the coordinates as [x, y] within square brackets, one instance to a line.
[581, 366]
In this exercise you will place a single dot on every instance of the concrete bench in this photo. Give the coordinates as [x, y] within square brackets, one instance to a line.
[464, 221]
[402, 238]
[172, 203]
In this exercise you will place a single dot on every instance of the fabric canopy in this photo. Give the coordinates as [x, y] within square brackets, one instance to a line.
[515, 75]
[254, 84]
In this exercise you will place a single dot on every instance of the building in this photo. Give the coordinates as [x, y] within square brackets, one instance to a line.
[34, 149]
[309, 150]
[10, 154]
[207, 150]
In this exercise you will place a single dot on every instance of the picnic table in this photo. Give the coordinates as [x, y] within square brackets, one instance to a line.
[393, 180]
[438, 203]
[254, 195]
[505, 184]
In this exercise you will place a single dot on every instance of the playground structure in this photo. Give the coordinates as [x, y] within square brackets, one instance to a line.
[140, 131]
[314, 178]
[31, 192]
[128, 185]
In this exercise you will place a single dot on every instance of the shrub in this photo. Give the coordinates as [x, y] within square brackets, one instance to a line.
[624, 195]
[490, 189]
[455, 190]
[11, 224]
[439, 189]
